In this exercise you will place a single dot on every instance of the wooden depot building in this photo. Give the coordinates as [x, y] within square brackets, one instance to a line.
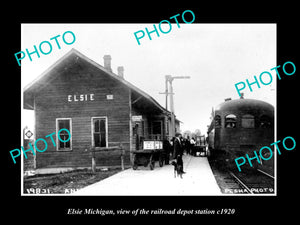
[99, 108]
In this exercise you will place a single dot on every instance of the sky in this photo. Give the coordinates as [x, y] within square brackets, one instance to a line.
[215, 56]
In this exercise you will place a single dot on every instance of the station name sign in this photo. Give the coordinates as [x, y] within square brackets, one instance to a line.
[137, 118]
[81, 98]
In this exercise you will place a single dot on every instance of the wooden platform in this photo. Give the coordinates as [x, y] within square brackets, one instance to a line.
[198, 180]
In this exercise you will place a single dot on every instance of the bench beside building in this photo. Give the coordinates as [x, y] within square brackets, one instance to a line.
[100, 109]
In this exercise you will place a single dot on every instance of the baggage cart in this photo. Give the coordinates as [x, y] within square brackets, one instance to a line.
[152, 151]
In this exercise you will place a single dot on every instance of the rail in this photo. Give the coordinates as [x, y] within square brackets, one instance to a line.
[241, 183]
[250, 185]
[263, 172]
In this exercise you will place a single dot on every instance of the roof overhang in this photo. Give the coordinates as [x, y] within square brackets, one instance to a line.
[68, 60]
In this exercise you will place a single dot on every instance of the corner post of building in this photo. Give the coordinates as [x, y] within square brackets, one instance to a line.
[122, 155]
[130, 129]
[166, 134]
[34, 132]
[23, 142]
[93, 160]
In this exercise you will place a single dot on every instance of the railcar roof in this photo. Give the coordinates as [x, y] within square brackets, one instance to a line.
[244, 105]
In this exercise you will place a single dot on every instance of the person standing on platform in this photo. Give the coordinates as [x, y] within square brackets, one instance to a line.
[188, 145]
[178, 150]
[167, 150]
[193, 142]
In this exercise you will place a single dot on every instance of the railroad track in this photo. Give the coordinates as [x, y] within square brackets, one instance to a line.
[257, 182]
[246, 182]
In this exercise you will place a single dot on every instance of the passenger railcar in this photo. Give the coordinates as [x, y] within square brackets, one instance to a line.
[239, 127]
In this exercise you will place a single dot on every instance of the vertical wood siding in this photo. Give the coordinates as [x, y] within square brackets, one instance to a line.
[51, 102]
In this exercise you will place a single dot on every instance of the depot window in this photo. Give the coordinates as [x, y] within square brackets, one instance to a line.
[157, 129]
[99, 132]
[64, 123]
[230, 121]
[248, 121]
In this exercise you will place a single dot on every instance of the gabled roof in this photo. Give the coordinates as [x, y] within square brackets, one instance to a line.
[63, 62]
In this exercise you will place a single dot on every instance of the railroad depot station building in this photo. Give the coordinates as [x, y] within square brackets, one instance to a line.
[99, 108]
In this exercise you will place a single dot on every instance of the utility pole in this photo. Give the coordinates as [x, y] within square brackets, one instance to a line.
[170, 79]
[166, 91]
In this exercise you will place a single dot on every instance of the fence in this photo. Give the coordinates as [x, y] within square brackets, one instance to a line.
[103, 149]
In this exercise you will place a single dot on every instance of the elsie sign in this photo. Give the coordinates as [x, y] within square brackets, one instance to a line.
[81, 98]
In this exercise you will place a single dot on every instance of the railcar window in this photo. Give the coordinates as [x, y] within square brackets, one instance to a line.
[230, 121]
[217, 121]
[248, 121]
[265, 121]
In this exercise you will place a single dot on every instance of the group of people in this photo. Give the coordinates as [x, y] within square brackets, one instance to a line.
[176, 147]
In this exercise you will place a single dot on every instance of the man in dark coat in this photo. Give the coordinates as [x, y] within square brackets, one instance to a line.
[167, 150]
[188, 145]
[178, 150]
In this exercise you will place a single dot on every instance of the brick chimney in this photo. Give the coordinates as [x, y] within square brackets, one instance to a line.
[107, 63]
[121, 71]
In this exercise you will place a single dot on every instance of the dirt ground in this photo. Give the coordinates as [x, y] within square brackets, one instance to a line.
[221, 174]
[64, 183]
